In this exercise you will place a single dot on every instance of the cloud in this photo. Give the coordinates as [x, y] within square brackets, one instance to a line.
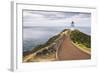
[48, 18]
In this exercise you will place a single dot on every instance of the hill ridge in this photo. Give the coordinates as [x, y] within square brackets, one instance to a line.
[52, 46]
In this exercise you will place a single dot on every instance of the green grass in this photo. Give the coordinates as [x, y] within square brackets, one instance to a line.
[50, 41]
[80, 38]
[84, 47]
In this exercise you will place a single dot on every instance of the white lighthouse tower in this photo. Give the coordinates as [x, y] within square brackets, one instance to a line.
[72, 25]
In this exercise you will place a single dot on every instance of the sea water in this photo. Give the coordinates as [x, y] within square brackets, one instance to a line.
[33, 36]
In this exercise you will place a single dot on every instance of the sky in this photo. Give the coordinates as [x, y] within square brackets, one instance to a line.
[53, 18]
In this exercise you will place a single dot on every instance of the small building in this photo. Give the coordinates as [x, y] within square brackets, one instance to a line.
[72, 25]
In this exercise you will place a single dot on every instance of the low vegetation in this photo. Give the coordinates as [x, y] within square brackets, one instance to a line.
[48, 51]
[80, 38]
[50, 41]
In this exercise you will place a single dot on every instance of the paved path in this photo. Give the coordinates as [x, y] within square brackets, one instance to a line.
[68, 51]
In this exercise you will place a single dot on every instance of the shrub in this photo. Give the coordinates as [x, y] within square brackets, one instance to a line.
[81, 38]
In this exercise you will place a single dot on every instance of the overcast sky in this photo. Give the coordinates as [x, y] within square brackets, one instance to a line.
[47, 18]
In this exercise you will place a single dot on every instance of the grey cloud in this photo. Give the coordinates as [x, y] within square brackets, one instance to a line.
[54, 15]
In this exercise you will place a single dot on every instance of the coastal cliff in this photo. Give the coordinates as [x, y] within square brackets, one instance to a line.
[59, 47]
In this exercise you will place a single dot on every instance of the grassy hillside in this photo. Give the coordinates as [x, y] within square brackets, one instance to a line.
[47, 50]
[81, 38]
[43, 51]
[50, 41]
[53, 39]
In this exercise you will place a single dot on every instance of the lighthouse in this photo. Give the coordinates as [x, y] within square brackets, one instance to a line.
[72, 25]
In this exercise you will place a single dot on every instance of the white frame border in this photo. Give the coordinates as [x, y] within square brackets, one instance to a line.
[16, 62]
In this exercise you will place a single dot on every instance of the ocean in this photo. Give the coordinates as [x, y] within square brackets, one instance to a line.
[33, 36]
